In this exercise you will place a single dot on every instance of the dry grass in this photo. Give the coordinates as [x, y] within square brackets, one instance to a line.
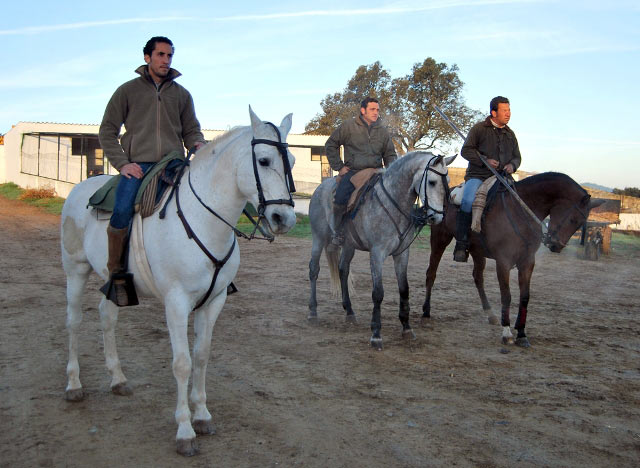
[37, 193]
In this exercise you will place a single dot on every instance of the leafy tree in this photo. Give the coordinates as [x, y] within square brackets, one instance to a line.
[406, 104]
[629, 191]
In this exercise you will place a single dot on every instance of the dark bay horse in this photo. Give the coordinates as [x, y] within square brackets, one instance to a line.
[511, 237]
[383, 226]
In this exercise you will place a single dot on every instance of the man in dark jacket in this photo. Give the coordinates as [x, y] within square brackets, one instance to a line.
[367, 144]
[159, 117]
[498, 144]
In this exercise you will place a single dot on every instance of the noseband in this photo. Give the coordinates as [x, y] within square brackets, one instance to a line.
[282, 149]
[550, 238]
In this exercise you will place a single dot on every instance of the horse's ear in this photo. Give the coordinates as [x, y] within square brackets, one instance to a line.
[255, 120]
[285, 125]
[450, 159]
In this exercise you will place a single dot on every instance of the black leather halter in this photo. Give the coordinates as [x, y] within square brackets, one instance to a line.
[551, 237]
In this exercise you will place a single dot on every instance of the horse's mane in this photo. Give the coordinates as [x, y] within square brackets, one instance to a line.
[549, 177]
[226, 138]
[398, 166]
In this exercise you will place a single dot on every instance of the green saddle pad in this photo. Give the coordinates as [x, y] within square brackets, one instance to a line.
[105, 197]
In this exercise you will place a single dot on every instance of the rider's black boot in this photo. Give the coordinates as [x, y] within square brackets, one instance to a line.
[463, 224]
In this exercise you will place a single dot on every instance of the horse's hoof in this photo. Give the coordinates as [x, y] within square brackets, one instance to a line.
[523, 342]
[313, 319]
[350, 318]
[122, 389]
[493, 320]
[186, 447]
[204, 427]
[507, 340]
[424, 320]
[75, 394]
[376, 343]
[408, 335]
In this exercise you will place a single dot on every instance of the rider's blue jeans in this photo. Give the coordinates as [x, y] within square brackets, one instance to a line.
[469, 193]
[125, 198]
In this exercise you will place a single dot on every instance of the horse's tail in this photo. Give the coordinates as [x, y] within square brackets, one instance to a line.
[333, 257]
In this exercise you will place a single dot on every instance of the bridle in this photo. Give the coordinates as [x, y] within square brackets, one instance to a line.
[419, 215]
[550, 238]
[263, 203]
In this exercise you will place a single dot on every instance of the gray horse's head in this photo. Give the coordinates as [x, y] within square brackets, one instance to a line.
[431, 183]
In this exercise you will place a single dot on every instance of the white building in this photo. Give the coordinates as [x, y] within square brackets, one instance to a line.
[37, 154]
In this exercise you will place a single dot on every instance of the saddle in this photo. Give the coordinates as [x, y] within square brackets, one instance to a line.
[154, 184]
[363, 181]
[483, 200]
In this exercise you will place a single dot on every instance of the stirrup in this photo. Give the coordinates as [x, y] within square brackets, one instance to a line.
[120, 290]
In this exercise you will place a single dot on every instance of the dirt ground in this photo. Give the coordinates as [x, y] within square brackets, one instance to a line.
[286, 393]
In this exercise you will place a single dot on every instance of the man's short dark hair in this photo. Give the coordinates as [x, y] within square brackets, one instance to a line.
[151, 44]
[365, 102]
[493, 105]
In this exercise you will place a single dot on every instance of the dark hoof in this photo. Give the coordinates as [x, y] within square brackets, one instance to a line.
[313, 319]
[424, 320]
[350, 319]
[74, 395]
[204, 427]
[186, 447]
[493, 320]
[523, 342]
[507, 340]
[376, 343]
[122, 389]
[408, 335]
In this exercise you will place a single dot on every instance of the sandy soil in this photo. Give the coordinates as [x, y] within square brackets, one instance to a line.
[285, 393]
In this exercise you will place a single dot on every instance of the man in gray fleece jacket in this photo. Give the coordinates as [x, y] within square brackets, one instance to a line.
[159, 117]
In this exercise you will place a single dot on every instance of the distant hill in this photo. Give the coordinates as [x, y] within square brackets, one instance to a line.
[597, 187]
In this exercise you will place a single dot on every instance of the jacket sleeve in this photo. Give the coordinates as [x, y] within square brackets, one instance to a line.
[471, 145]
[332, 149]
[191, 132]
[389, 154]
[114, 117]
[516, 159]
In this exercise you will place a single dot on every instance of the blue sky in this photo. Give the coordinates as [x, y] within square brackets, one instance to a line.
[570, 68]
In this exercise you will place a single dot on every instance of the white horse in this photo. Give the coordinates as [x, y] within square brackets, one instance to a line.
[246, 164]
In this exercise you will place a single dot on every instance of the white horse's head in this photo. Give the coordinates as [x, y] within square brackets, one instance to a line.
[431, 184]
[266, 178]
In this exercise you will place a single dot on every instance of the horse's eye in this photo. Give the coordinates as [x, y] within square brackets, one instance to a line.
[433, 183]
[263, 162]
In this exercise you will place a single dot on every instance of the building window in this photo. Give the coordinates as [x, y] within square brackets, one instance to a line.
[317, 154]
[59, 156]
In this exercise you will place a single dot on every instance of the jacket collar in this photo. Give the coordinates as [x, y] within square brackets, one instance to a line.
[487, 123]
[142, 70]
[361, 121]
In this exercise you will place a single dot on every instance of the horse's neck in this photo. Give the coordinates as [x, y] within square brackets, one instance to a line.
[399, 187]
[214, 180]
[542, 196]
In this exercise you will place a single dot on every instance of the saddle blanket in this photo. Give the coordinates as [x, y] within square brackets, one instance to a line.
[479, 202]
[359, 181]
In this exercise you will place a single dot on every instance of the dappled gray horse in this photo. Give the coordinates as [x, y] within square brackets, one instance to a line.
[383, 225]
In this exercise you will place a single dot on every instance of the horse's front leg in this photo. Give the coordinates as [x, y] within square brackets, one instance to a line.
[376, 259]
[76, 282]
[203, 323]
[400, 263]
[314, 270]
[479, 263]
[177, 309]
[109, 320]
[524, 281]
[502, 271]
[345, 261]
[439, 240]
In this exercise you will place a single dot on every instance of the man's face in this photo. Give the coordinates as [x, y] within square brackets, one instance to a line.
[502, 115]
[371, 113]
[160, 61]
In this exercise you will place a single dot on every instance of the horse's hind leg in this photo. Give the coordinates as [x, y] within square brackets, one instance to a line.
[479, 263]
[109, 320]
[400, 263]
[502, 272]
[77, 276]
[376, 260]
[203, 323]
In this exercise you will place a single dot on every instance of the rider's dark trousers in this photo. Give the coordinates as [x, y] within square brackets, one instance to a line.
[345, 189]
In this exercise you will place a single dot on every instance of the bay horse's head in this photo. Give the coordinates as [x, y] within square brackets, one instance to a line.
[266, 177]
[565, 218]
[432, 186]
